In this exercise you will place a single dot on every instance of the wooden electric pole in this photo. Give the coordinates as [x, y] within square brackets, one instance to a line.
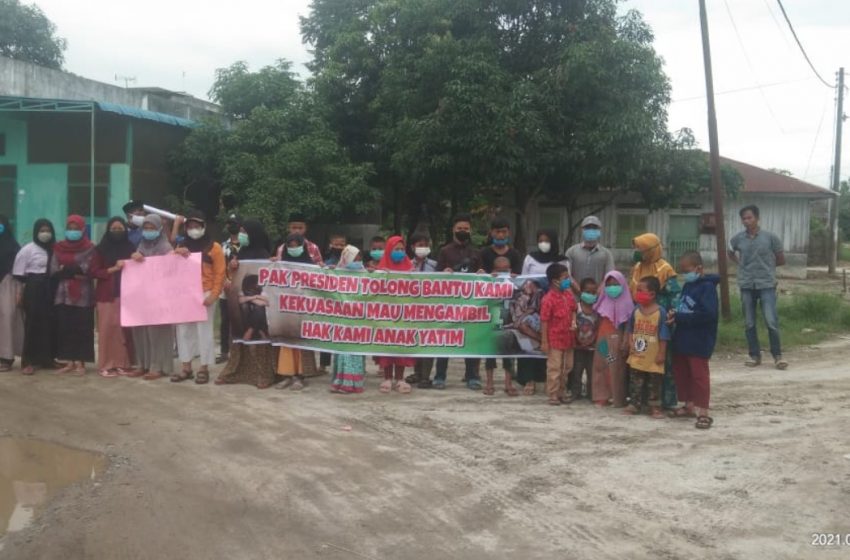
[836, 176]
[716, 185]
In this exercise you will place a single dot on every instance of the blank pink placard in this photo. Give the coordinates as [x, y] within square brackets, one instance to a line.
[165, 290]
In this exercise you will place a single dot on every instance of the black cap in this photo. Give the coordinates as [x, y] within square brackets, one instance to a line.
[297, 217]
[233, 218]
[196, 216]
[133, 205]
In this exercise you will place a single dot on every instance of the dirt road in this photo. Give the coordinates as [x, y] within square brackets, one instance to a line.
[235, 473]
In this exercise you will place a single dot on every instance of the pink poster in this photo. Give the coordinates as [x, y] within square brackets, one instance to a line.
[163, 290]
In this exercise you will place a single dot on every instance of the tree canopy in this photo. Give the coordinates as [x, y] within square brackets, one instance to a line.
[27, 34]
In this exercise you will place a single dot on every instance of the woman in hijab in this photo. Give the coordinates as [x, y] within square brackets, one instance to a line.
[71, 266]
[547, 252]
[291, 362]
[153, 344]
[252, 364]
[615, 307]
[113, 348]
[199, 337]
[32, 267]
[649, 262]
[11, 322]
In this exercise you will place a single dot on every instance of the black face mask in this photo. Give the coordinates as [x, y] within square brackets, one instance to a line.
[462, 236]
[117, 235]
[233, 229]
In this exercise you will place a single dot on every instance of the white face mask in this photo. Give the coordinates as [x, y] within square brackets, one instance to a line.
[422, 252]
[137, 221]
[45, 236]
[195, 233]
[544, 246]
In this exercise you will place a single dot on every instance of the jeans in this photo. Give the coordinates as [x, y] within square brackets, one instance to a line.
[749, 300]
[472, 365]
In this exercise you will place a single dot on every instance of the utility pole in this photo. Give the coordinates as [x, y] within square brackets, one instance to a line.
[836, 177]
[716, 186]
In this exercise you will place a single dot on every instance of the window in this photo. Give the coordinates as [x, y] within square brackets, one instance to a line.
[79, 190]
[629, 226]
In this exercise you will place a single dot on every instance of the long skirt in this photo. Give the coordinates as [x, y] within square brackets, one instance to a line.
[289, 362]
[252, 364]
[75, 333]
[530, 370]
[11, 320]
[155, 348]
[112, 348]
[39, 326]
[609, 370]
[348, 373]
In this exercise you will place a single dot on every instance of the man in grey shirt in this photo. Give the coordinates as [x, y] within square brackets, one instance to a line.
[757, 254]
[589, 259]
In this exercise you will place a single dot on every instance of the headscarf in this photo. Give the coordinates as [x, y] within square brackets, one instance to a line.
[113, 250]
[8, 248]
[305, 256]
[258, 247]
[349, 253]
[66, 255]
[617, 310]
[159, 246]
[202, 244]
[553, 254]
[387, 263]
[652, 265]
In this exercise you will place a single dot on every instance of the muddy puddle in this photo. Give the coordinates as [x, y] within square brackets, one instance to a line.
[32, 472]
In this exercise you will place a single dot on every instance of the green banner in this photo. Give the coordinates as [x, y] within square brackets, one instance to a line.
[384, 314]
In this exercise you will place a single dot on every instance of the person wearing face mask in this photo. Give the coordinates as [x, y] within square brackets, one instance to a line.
[336, 244]
[500, 246]
[588, 258]
[614, 306]
[32, 268]
[459, 255]
[587, 322]
[298, 226]
[113, 348]
[558, 319]
[375, 253]
[135, 212]
[230, 246]
[420, 253]
[71, 267]
[291, 362]
[11, 320]
[546, 253]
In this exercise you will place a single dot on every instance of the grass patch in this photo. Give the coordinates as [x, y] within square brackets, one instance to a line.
[824, 314]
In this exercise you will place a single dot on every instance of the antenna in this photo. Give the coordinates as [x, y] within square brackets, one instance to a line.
[126, 79]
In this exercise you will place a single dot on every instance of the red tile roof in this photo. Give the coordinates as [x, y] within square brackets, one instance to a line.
[758, 180]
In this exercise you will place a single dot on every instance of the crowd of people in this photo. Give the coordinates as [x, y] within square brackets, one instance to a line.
[642, 343]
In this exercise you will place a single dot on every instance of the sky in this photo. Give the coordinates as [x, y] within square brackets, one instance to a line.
[784, 117]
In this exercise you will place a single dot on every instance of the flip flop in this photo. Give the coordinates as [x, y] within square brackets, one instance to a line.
[704, 422]
[489, 390]
[182, 376]
[511, 391]
[386, 386]
[529, 389]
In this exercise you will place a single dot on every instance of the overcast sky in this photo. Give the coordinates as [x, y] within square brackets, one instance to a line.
[784, 119]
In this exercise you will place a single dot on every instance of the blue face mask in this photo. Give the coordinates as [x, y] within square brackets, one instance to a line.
[356, 265]
[502, 242]
[587, 298]
[397, 256]
[614, 291]
[591, 234]
[150, 234]
[2, 229]
[565, 284]
[692, 276]
[376, 254]
[73, 235]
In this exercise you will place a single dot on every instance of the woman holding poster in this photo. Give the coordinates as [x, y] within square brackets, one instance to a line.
[395, 259]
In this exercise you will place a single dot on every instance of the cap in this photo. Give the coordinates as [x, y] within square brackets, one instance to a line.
[297, 217]
[133, 205]
[233, 218]
[591, 221]
[196, 216]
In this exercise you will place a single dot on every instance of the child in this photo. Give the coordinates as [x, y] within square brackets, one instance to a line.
[648, 335]
[587, 321]
[395, 260]
[253, 304]
[501, 268]
[376, 253]
[694, 338]
[558, 316]
[614, 306]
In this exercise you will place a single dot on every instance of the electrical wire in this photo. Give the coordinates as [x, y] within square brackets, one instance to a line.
[817, 137]
[799, 44]
[739, 90]
[778, 25]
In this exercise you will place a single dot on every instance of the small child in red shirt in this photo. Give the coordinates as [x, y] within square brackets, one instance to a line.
[558, 317]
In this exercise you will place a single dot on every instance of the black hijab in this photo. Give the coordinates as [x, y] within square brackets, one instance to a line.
[8, 248]
[40, 223]
[113, 250]
[258, 247]
[554, 252]
[204, 243]
[305, 256]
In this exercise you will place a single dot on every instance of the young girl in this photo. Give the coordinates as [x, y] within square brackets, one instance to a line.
[395, 259]
[615, 307]
[290, 362]
[253, 305]
[348, 372]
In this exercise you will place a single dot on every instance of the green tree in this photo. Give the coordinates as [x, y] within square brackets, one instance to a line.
[27, 34]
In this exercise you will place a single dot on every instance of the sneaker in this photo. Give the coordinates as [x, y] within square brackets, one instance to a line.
[438, 384]
[780, 364]
[473, 384]
[753, 362]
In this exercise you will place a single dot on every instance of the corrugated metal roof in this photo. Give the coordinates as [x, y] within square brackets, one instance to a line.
[144, 114]
[758, 180]
[30, 104]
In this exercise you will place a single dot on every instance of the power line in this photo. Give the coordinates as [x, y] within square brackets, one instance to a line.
[817, 137]
[752, 68]
[778, 26]
[799, 44]
[739, 90]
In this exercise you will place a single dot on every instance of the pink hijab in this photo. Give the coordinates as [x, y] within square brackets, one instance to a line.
[617, 310]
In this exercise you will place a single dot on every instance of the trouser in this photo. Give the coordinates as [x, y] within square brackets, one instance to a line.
[582, 363]
[558, 365]
[471, 364]
[224, 335]
[645, 388]
[423, 367]
[749, 301]
[324, 360]
[609, 367]
[197, 339]
[507, 364]
[692, 379]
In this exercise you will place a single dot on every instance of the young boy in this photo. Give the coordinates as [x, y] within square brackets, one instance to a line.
[648, 335]
[500, 246]
[336, 243]
[501, 267]
[587, 323]
[376, 251]
[694, 338]
[558, 317]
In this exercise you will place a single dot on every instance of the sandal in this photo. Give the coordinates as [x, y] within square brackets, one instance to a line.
[555, 402]
[180, 377]
[403, 387]
[29, 370]
[489, 390]
[285, 384]
[153, 376]
[683, 412]
[220, 380]
[67, 368]
[424, 384]
[136, 373]
[203, 377]
[630, 410]
[657, 414]
[511, 391]
[108, 373]
[386, 386]
[567, 399]
[297, 384]
[704, 422]
[529, 389]
[412, 379]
